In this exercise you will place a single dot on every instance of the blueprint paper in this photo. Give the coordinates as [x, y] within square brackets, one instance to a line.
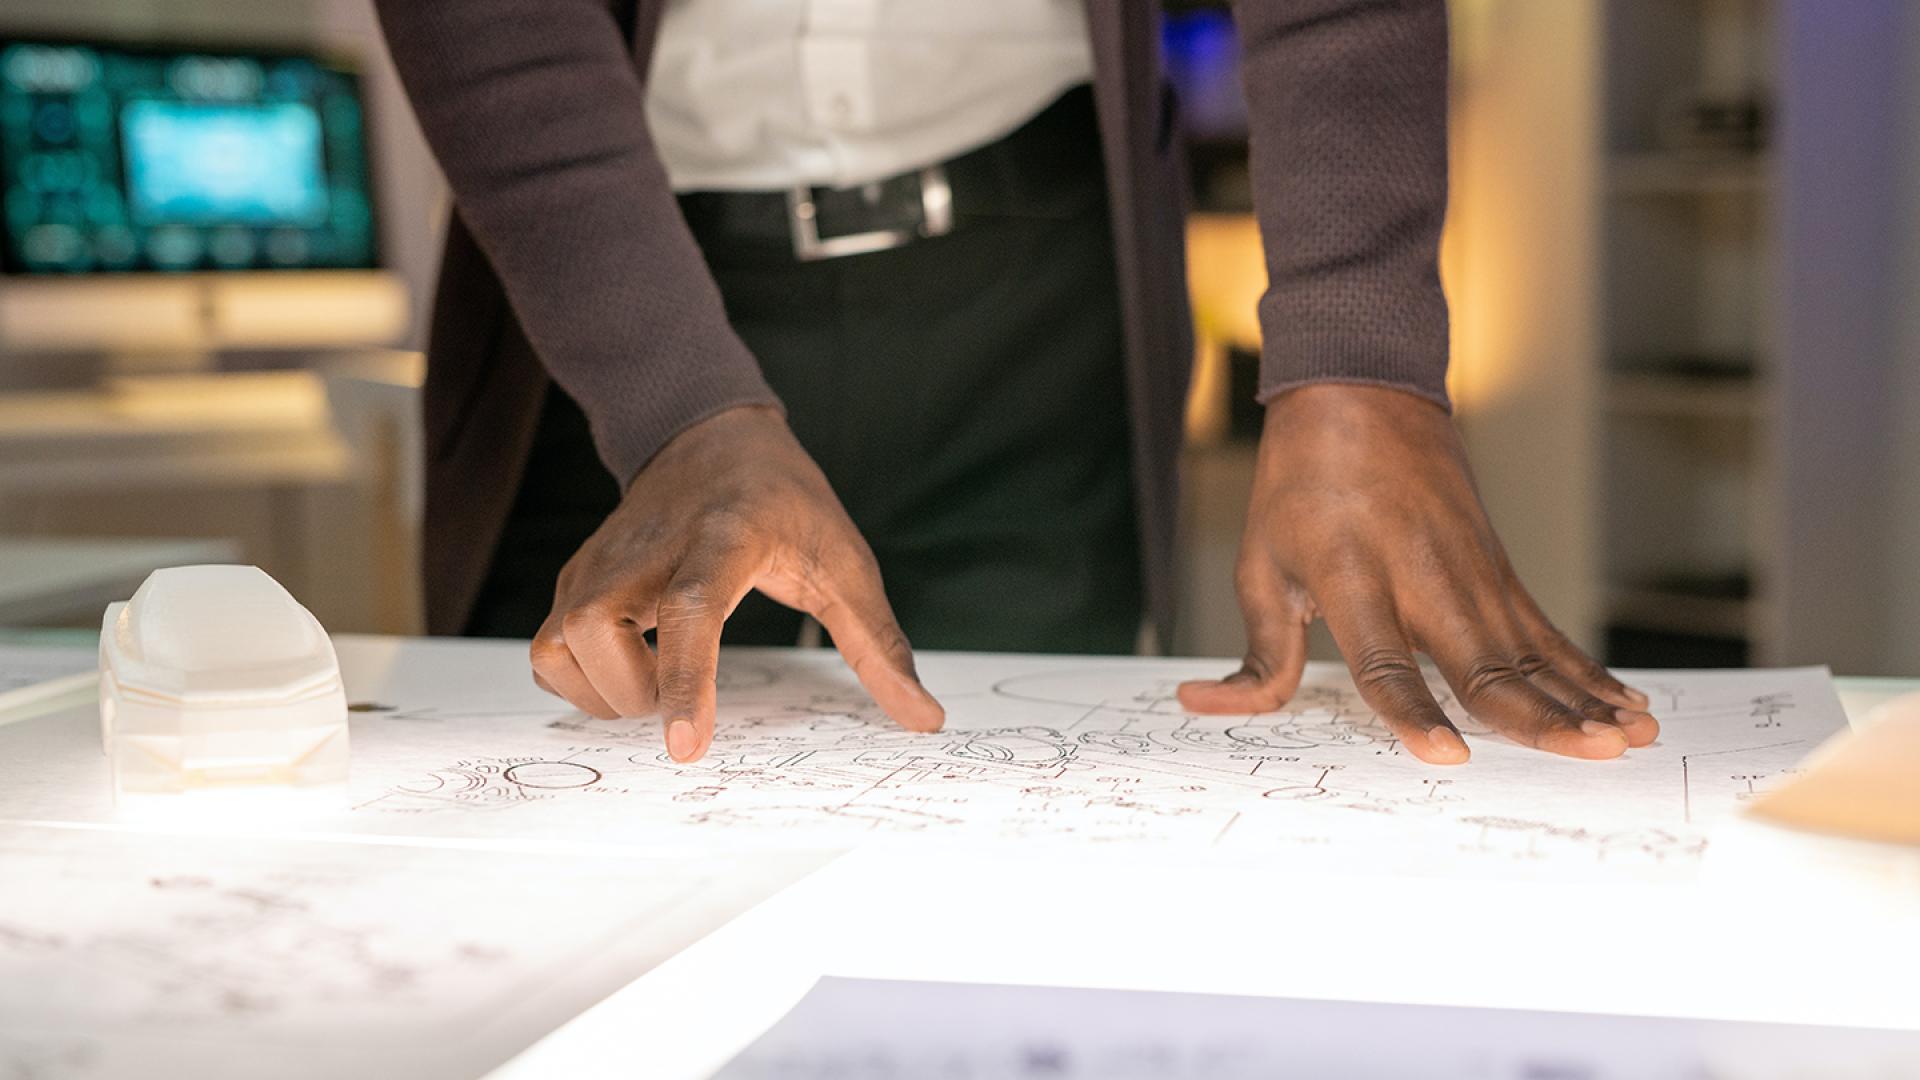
[855, 1028]
[152, 956]
[451, 741]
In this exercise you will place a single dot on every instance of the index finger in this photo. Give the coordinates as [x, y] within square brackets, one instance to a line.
[692, 610]
[1362, 617]
[852, 607]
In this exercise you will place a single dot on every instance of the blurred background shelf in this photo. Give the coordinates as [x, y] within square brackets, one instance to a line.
[1730, 395]
[1681, 242]
[1668, 172]
[1688, 236]
[1680, 611]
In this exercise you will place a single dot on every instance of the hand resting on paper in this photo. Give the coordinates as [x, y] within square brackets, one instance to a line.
[730, 505]
[1364, 512]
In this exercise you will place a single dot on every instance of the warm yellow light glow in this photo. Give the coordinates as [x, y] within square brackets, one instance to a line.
[1226, 275]
[1516, 255]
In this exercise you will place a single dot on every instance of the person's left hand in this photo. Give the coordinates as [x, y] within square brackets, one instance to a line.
[1364, 512]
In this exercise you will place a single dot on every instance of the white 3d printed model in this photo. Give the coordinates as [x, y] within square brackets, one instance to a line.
[215, 677]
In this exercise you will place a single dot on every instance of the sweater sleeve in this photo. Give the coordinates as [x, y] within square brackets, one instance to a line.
[1348, 115]
[536, 112]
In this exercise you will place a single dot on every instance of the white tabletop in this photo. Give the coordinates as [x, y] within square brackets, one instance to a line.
[1780, 929]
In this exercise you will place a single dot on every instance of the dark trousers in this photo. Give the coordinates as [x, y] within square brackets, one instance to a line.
[965, 397]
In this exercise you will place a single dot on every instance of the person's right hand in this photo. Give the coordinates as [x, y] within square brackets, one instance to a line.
[730, 505]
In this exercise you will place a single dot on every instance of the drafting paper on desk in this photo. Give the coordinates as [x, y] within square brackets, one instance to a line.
[878, 1028]
[147, 955]
[452, 741]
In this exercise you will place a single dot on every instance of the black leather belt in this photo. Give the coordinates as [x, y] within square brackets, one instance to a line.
[1046, 168]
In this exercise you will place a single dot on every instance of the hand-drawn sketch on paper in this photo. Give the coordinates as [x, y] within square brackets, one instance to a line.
[143, 954]
[1092, 752]
[451, 741]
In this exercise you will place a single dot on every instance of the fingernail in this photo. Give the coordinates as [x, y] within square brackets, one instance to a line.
[1446, 742]
[682, 741]
[1601, 727]
[1631, 716]
[1639, 697]
[936, 712]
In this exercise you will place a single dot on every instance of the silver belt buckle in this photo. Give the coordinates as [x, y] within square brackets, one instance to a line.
[936, 219]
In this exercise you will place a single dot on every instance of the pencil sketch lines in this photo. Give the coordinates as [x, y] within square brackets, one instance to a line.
[211, 946]
[489, 782]
[1104, 754]
[1725, 775]
[1525, 840]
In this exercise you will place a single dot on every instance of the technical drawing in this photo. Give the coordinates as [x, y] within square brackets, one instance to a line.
[224, 946]
[1738, 773]
[1075, 752]
[489, 782]
[1517, 838]
[144, 954]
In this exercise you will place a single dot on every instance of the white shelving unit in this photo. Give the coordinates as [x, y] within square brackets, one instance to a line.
[1687, 246]
[1757, 341]
[1682, 369]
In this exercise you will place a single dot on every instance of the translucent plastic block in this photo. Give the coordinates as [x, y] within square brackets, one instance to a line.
[214, 677]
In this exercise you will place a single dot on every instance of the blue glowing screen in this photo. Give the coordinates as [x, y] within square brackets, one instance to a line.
[120, 158]
[197, 163]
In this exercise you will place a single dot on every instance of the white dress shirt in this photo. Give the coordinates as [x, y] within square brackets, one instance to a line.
[764, 95]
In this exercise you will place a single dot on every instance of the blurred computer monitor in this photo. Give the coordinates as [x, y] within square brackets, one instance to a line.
[174, 199]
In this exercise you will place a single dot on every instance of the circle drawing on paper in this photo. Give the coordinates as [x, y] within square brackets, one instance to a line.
[552, 774]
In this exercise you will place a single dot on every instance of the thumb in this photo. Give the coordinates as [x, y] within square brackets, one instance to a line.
[1275, 661]
[855, 613]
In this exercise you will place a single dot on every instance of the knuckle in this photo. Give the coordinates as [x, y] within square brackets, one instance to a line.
[1575, 662]
[1256, 666]
[1430, 558]
[589, 620]
[1595, 672]
[725, 528]
[676, 685]
[546, 653]
[1593, 709]
[807, 556]
[1584, 703]
[1547, 713]
[688, 600]
[892, 643]
[1531, 664]
[1252, 574]
[1486, 676]
[1549, 635]
[1383, 667]
[1346, 564]
[1572, 657]
[888, 648]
